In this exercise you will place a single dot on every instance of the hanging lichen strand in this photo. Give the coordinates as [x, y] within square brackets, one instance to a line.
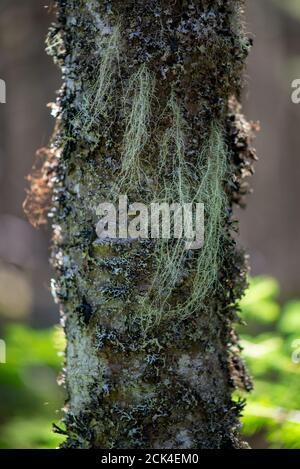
[173, 262]
[149, 108]
[99, 93]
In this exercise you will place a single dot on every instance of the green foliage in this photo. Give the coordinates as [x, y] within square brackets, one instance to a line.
[290, 320]
[259, 303]
[30, 398]
[270, 340]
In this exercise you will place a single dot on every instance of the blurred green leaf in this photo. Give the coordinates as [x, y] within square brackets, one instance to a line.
[290, 319]
[29, 346]
[30, 398]
[260, 289]
[259, 302]
[33, 433]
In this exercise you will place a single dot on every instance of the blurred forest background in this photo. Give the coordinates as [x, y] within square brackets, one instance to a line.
[30, 399]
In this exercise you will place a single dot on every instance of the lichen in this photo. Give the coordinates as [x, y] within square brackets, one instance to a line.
[141, 86]
[100, 90]
[83, 367]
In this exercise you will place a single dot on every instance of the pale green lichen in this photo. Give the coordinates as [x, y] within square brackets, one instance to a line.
[99, 92]
[84, 369]
[173, 259]
[172, 159]
[179, 182]
[141, 87]
[212, 194]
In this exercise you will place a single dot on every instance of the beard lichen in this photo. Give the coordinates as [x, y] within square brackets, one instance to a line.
[98, 96]
[137, 112]
[182, 278]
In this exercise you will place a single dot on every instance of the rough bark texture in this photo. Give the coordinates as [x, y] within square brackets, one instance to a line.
[138, 377]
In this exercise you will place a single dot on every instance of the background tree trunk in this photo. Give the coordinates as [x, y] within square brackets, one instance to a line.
[149, 108]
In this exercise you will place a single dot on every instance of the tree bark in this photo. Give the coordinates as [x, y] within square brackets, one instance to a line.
[149, 87]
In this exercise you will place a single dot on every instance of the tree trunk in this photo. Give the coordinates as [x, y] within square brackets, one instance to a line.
[149, 109]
